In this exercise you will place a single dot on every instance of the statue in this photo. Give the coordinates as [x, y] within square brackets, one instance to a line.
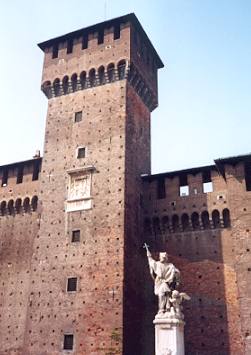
[166, 281]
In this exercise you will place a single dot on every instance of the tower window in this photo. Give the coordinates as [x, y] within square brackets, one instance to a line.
[72, 284]
[81, 153]
[85, 41]
[69, 46]
[20, 172]
[35, 171]
[184, 188]
[5, 177]
[116, 31]
[101, 36]
[68, 341]
[78, 116]
[55, 51]
[75, 236]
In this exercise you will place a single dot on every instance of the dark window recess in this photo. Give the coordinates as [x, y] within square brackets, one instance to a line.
[78, 116]
[81, 153]
[161, 189]
[55, 51]
[85, 41]
[20, 174]
[35, 174]
[101, 36]
[116, 31]
[69, 46]
[247, 168]
[72, 284]
[184, 188]
[75, 236]
[5, 177]
[68, 341]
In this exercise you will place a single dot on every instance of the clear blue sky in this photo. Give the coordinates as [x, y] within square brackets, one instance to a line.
[204, 89]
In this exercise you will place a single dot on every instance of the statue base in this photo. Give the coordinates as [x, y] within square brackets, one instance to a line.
[169, 335]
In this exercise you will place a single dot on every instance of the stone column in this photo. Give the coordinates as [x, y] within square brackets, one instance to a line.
[169, 336]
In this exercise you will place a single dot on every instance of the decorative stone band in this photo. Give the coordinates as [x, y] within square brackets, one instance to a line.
[101, 77]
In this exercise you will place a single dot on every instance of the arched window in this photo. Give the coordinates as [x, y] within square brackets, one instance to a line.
[175, 223]
[18, 205]
[111, 72]
[92, 77]
[26, 204]
[56, 86]
[185, 222]
[156, 225]
[165, 223]
[121, 69]
[34, 201]
[216, 218]
[3, 208]
[101, 75]
[11, 207]
[83, 80]
[226, 218]
[195, 221]
[74, 82]
[205, 220]
[46, 88]
[147, 226]
[66, 85]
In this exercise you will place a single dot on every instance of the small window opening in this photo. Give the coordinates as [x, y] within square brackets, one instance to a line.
[226, 218]
[92, 77]
[85, 41]
[161, 189]
[5, 177]
[75, 236]
[20, 174]
[68, 342]
[55, 51]
[101, 36]
[207, 187]
[111, 72]
[184, 190]
[72, 284]
[35, 174]
[69, 46]
[81, 153]
[247, 171]
[74, 82]
[116, 32]
[101, 75]
[78, 116]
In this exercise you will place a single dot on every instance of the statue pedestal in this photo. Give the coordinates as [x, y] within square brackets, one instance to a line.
[169, 335]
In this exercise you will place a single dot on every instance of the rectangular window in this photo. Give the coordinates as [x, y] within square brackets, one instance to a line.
[75, 236]
[5, 177]
[69, 46]
[247, 171]
[72, 284]
[20, 174]
[184, 190]
[207, 181]
[78, 116]
[101, 36]
[68, 342]
[207, 187]
[55, 51]
[85, 41]
[161, 189]
[36, 166]
[116, 34]
[81, 153]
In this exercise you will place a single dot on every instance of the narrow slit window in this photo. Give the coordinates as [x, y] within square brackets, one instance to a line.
[78, 116]
[247, 168]
[75, 236]
[69, 46]
[161, 189]
[68, 341]
[117, 31]
[20, 174]
[101, 36]
[81, 153]
[55, 51]
[5, 177]
[85, 41]
[72, 284]
[35, 174]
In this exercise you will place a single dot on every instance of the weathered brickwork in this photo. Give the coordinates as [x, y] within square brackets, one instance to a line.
[74, 276]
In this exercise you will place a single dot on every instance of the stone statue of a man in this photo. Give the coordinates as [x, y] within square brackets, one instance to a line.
[166, 279]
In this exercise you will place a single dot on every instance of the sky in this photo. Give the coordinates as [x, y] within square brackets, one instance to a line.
[204, 88]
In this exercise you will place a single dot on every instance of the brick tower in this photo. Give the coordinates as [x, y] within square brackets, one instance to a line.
[85, 295]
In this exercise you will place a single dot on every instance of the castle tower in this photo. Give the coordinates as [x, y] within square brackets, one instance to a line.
[85, 294]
